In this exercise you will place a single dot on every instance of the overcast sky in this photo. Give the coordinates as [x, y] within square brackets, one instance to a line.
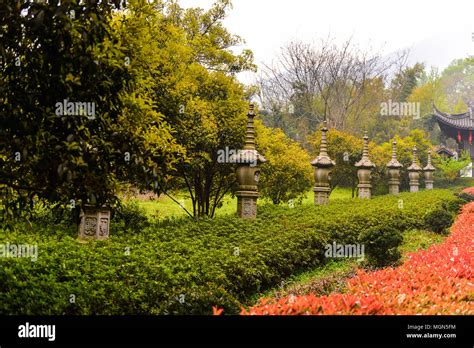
[436, 31]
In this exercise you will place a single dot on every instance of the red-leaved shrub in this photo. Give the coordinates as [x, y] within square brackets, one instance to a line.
[469, 190]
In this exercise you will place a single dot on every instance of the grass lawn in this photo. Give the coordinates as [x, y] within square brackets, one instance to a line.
[165, 207]
[415, 240]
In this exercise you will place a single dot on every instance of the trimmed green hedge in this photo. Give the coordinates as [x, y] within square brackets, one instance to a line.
[183, 267]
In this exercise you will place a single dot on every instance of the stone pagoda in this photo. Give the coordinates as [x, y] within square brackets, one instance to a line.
[394, 171]
[428, 171]
[248, 172]
[414, 172]
[322, 169]
[364, 172]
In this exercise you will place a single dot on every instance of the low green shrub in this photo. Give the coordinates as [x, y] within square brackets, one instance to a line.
[185, 267]
[466, 197]
[438, 220]
[381, 246]
[453, 206]
[129, 217]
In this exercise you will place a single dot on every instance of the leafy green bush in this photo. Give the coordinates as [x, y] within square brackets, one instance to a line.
[438, 220]
[287, 174]
[381, 245]
[130, 217]
[453, 206]
[466, 197]
[183, 267]
[448, 169]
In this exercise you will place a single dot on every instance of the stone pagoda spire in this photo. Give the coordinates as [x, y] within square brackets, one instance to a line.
[250, 132]
[394, 171]
[364, 172]
[429, 170]
[414, 172]
[322, 169]
[248, 172]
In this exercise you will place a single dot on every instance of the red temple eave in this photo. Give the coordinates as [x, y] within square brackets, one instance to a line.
[455, 126]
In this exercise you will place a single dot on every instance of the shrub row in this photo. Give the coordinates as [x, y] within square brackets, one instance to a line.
[183, 267]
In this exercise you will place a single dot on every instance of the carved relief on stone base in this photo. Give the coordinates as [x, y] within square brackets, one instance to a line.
[365, 193]
[321, 196]
[247, 204]
[94, 223]
[393, 189]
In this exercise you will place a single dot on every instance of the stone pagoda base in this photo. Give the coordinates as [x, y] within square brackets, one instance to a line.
[321, 195]
[94, 223]
[247, 204]
[365, 191]
[393, 189]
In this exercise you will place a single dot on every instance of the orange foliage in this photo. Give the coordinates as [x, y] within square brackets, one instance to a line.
[469, 190]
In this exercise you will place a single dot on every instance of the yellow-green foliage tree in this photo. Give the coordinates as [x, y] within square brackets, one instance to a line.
[187, 67]
[69, 158]
[448, 169]
[288, 173]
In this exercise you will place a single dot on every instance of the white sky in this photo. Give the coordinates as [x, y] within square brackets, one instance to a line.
[437, 30]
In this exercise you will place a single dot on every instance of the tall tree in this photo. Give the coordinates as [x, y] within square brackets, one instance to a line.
[65, 133]
[405, 81]
[321, 82]
[194, 88]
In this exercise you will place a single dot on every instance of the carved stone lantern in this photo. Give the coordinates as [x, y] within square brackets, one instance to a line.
[322, 170]
[394, 171]
[248, 172]
[94, 223]
[414, 172]
[364, 172]
[428, 171]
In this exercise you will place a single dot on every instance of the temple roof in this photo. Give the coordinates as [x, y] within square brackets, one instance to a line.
[444, 150]
[458, 121]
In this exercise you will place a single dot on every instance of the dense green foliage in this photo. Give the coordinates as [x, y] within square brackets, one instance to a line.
[381, 245]
[130, 217]
[186, 267]
[58, 53]
[161, 94]
[187, 72]
[448, 169]
[287, 174]
[438, 220]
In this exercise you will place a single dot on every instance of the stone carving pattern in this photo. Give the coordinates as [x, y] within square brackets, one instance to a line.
[90, 226]
[103, 228]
